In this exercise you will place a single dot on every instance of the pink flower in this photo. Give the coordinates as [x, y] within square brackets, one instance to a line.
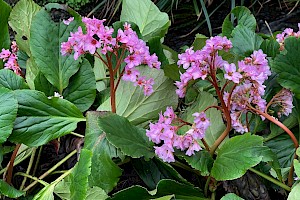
[5, 54]
[165, 152]
[201, 120]
[192, 148]
[231, 73]
[68, 21]
[133, 60]
[284, 100]
[130, 74]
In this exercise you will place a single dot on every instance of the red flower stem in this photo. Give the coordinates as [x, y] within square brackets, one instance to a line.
[112, 88]
[119, 61]
[289, 132]
[205, 144]
[119, 79]
[11, 164]
[98, 56]
[224, 86]
[216, 107]
[229, 97]
[278, 123]
[225, 110]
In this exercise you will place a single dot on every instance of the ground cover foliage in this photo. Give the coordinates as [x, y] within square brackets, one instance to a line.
[225, 109]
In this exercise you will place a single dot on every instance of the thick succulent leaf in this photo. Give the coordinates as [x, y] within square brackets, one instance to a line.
[283, 147]
[79, 176]
[104, 172]
[287, 66]
[138, 108]
[4, 39]
[12, 81]
[40, 119]
[120, 132]
[295, 193]
[146, 16]
[231, 196]
[236, 156]
[8, 113]
[82, 88]
[245, 41]
[9, 191]
[164, 188]
[216, 127]
[154, 170]
[32, 72]
[243, 16]
[201, 161]
[20, 21]
[46, 39]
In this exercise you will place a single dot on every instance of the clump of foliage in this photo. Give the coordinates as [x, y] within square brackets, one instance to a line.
[227, 105]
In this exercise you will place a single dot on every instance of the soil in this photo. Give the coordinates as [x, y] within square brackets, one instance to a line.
[182, 32]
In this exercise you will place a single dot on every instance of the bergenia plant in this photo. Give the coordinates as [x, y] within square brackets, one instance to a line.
[125, 47]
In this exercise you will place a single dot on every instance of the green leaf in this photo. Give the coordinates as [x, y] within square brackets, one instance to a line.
[297, 167]
[32, 72]
[201, 161]
[62, 189]
[216, 127]
[168, 197]
[287, 66]
[20, 21]
[283, 147]
[80, 174]
[82, 88]
[270, 47]
[244, 17]
[100, 74]
[4, 39]
[42, 84]
[8, 113]
[245, 41]
[9, 191]
[295, 193]
[104, 172]
[172, 71]
[40, 119]
[164, 188]
[154, 170]
[146, 16]
[138, 108]
[46, 39]
[236, 156]
[199, 42]
[155, 46]
[46, 193]
[12, 81]
[231, 196]
[120, 132]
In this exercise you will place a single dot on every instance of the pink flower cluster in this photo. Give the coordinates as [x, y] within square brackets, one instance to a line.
[253, 71]
[284, 100]
[287, 33]
[11, 58]
[100, 36]
[164, 132]
[198, 63]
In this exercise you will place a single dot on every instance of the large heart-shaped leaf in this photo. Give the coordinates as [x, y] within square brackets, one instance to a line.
[120, 132]
[80, 174]
[12, 81]
[20, 21]
[46, 38]
[104, 172]
[245, 41]
[236, 156]
[146, 15]
[138, 108]
[41, 119]
[8, 113]
[243, 16]
[82, 88]
[287, 66]
[4, 39]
